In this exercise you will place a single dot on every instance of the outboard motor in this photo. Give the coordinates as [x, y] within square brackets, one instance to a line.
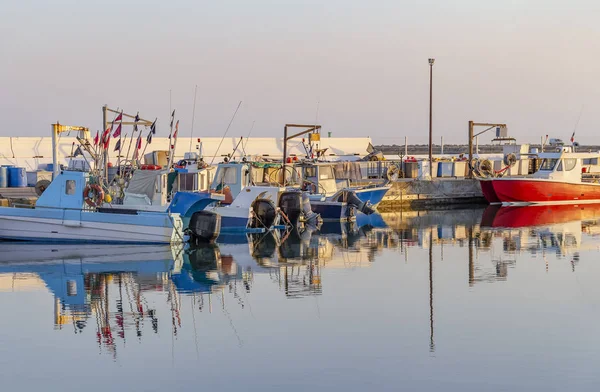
[265, 214]
[310, 217]
[296, 206]
[353, 200]
[290, 204]
[204, 227]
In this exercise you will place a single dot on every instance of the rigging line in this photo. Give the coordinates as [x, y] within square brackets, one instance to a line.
[195, 330]
[246, 144]
[225, 134]
[193, 117]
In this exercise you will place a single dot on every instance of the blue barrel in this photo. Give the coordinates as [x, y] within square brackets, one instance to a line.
[3, 177]
[17, 177]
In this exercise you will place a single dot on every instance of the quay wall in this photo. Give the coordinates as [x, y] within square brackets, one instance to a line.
[415, 193]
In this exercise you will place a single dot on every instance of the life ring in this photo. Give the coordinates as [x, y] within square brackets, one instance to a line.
[93, 195]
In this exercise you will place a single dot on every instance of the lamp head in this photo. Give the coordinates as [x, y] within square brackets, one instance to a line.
[431, 61]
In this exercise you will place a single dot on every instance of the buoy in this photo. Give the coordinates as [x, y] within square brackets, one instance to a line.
[108, 198]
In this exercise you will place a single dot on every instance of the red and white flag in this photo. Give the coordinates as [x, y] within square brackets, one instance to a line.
[106, 135]
[176, 130]
[117, 132]
[97, 138]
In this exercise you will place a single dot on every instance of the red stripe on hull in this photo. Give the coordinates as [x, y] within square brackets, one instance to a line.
[540, 191]
[488, 191]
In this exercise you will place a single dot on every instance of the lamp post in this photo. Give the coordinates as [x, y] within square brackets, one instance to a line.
[431, 61]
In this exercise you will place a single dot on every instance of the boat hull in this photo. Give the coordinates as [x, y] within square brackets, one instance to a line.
[331, 211]
[487, 188]
[534, 191]
[373, 195]
[65, 226]
[233, 219]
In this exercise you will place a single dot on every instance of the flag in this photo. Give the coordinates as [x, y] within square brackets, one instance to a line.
[573, 137]
[139, 142]
[106, 135]
[118, 146]
[149, 138]
[172, 117]
[97, 138]
[176, 129]
[119, 117]
[107, 142]
[117, 132]
[78, 152]
[153, 127]
[135, 121]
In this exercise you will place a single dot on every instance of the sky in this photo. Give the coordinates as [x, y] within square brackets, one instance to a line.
[358, 68]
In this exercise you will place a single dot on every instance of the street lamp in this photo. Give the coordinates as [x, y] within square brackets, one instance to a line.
[431, 61]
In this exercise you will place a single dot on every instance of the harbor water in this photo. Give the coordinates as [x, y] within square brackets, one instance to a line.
[463, 300]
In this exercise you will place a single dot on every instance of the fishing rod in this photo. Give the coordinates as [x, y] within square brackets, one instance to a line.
[236, 146]
[193, 116]
[575, 128]
[225, 134]
[248, 137]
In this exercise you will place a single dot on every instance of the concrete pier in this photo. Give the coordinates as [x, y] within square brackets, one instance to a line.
[415, 193]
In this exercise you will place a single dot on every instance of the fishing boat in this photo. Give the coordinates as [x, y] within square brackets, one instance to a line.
[558, 180]
[334, 200]
[236, 182]
[326, 179]
[70, 210]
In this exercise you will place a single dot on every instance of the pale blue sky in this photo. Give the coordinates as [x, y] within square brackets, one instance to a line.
[531, 64]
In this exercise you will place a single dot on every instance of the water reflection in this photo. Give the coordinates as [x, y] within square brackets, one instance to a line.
[105, 288]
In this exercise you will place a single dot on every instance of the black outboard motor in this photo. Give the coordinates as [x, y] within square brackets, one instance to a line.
[265, 214]
[204, 227]
[290, 203]
[350, 197]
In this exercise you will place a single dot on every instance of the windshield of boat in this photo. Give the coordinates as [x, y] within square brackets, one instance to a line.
[548, 163]
[225, 176]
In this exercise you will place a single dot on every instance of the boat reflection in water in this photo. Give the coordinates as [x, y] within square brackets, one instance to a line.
[79, 277]
[107, 287]
[540, 230]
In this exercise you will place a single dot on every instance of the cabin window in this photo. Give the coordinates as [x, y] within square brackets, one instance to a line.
[70, 187]
[548, 164]
[560, 166]
[310, 172]
[326, 173]
[227, 176]
[570, 164]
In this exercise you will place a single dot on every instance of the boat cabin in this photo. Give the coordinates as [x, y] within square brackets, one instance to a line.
[230, 179]
[65, 191]
[323, 177]
[563, 165]
[146, 187]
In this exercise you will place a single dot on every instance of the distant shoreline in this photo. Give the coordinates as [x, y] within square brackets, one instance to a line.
[455, 149]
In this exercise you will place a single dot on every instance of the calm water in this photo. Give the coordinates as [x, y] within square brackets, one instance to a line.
[465, 300]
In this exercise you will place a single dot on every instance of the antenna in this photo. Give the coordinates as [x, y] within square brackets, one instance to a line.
[247, 137]
[227, 130]
[193, 116]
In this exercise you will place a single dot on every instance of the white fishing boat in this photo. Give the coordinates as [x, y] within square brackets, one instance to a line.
[66, 212]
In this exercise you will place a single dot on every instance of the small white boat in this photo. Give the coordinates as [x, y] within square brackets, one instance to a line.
[61, 215]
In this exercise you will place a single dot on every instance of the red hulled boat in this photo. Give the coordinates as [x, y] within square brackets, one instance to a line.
[559, 180]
